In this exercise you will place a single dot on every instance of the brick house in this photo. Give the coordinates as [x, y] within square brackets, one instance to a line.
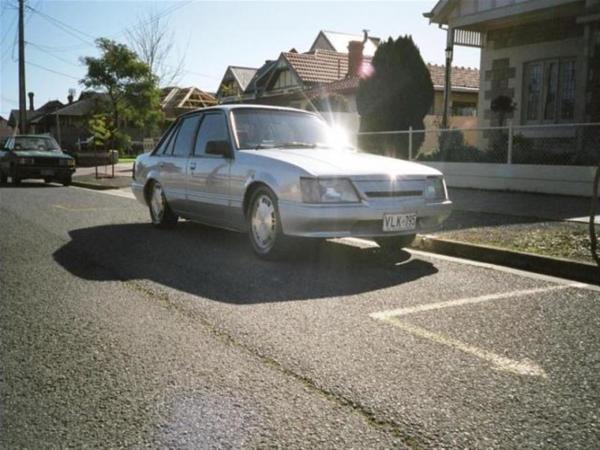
[326, 79]
[543, 54]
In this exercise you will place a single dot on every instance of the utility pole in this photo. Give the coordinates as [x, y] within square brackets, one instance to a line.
[22, 101]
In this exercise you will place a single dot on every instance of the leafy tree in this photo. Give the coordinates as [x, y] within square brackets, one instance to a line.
[129, 84]
[97, 126]
[397, 96]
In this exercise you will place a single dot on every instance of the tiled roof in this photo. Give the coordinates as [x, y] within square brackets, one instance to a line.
[243, 75]
[462, 77]
[320, 66]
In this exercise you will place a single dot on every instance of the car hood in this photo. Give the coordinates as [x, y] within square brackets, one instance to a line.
[330, 162]
[40, 154]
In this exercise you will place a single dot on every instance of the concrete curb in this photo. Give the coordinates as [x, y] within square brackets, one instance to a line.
[563, 268]
[98, 187]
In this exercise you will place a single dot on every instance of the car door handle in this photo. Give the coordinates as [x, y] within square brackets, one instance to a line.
[193, 166]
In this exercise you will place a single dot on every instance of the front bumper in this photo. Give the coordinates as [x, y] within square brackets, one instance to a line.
[55, 172]
[358, 220]
[138, 192]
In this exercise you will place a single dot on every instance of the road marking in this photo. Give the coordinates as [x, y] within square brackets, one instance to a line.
[68, 208]
[519, 272]
[503, 363]
[124, 193]
[382, 315]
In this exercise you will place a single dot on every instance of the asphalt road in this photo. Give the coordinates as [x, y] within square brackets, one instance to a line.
[114, 334]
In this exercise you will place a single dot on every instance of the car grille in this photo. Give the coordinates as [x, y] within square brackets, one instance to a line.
[387, 194]
[391, 188]
[46, 162]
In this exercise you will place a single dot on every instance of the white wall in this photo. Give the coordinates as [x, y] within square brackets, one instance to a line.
[565, 180]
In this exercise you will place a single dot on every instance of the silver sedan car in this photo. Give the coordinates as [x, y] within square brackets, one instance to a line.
[281, 173]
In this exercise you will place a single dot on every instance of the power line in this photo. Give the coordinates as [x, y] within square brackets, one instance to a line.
[39, 66]
[37, 47]
[66, 28]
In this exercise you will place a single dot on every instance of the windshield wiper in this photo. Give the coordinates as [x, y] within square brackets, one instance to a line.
[296, 144]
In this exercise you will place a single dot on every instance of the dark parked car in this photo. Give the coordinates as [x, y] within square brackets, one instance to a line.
[35, 156]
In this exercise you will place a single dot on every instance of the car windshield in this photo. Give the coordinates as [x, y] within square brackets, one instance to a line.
[258, 129]
[25, 143]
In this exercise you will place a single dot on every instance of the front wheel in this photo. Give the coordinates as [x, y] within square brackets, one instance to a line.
[264, 225]
[160, 212]
[3, 178]
[66, 181]
[396, 242]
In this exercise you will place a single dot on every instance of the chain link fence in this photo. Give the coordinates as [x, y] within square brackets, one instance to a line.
[552, 144]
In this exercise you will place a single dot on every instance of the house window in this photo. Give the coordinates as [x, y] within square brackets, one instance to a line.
[463, 109]
[285, 79]
[549, 91]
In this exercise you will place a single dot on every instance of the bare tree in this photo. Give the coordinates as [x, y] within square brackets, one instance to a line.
[151, 39]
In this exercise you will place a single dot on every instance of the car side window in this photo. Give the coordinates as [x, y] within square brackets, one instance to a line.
[186, 135]
[212, 128]
[166, 141]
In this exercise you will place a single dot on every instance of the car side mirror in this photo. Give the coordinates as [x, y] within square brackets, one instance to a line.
[220, 148]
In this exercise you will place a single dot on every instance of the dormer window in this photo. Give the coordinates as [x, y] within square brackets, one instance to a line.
[284, 80]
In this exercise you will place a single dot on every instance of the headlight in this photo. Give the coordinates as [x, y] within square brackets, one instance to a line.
[328, 190]
[25, 161]
[67, 162]
[436, 188]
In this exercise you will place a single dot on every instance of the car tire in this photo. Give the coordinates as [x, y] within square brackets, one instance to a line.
[16, 181]
[396, 242]
[161, 214]
[65, 181]
[47, 180]
[264, 225]
[3, 178]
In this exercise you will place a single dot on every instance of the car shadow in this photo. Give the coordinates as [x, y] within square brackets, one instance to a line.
[219, 264]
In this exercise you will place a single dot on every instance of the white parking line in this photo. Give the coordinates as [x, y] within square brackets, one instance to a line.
[524, 367]
[503, 363]
[124, 192]
[464, 301]
[519, 272]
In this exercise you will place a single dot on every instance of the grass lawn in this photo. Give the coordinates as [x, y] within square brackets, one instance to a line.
[127, 159]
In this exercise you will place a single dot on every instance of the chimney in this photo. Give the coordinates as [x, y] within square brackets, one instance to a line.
[70, 98]
[355, 56]
[30, 95]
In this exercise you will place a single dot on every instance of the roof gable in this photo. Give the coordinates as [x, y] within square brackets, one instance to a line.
[338, 42]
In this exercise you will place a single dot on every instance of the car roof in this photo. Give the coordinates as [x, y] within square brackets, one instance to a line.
[231, 107]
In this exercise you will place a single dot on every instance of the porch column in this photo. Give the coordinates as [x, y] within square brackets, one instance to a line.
[448, 75]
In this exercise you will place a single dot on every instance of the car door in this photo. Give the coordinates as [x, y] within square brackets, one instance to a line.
[208, 174]
[174, 160]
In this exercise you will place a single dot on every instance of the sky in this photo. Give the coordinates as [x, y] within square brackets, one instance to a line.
[209, 36]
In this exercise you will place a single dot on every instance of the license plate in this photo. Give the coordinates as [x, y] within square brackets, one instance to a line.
[47, 172]
[399, 222]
